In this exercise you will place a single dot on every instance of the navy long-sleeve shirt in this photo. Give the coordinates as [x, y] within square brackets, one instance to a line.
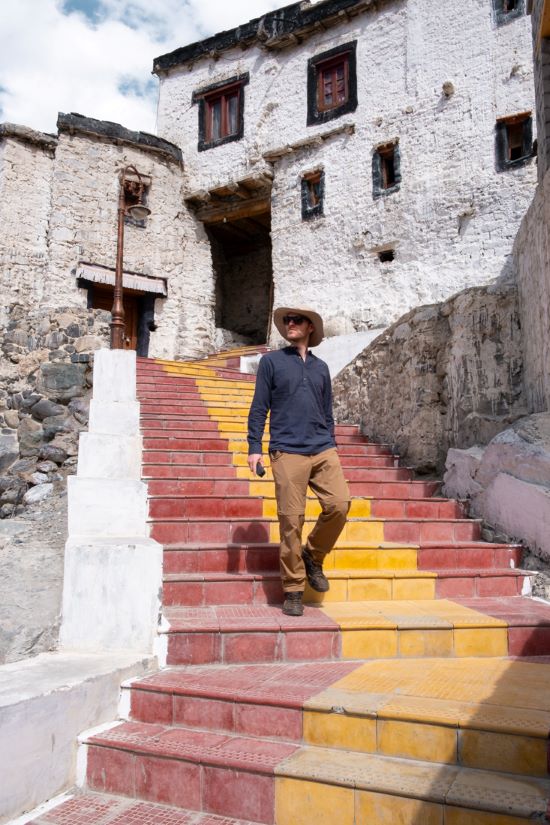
[299, 395]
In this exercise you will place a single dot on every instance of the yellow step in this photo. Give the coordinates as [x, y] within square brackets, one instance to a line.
[359, 508]
[478, 713]
[412, 629]
[374, 585]
[364, 531]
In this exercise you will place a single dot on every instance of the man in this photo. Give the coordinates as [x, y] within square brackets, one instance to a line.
[295, 387]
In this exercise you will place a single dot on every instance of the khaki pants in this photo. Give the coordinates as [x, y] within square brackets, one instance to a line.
[293, 473]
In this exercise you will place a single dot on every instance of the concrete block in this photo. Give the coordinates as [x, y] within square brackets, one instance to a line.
[114, 417]
[107, 507]
[521, 509]
[111, 594]
[115, 375]
[45, 702]
[109, 456]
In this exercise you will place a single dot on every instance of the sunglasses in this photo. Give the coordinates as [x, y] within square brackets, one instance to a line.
[295, 319]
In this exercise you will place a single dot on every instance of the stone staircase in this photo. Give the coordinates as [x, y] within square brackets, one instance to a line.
[415, 692]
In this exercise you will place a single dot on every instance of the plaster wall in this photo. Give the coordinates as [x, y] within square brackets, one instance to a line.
[25, 201]
[453, 221]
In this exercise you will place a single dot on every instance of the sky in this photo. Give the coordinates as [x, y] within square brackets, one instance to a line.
[95, 57]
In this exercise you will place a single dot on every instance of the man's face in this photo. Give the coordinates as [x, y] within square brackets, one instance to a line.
[298, 328]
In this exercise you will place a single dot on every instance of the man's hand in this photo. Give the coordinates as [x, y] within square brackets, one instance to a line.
[253, 460]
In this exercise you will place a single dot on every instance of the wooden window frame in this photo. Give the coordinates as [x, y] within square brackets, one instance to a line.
[207, 97]
[380, 186]
[503, 148]
[310, 179]
[317, 111]
[503, 14]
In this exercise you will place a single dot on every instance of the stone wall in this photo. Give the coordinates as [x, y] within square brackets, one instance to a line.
[454, 218]
[532, 254]
[443, 375]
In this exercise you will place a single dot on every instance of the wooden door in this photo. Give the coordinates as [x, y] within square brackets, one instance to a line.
[102, 298]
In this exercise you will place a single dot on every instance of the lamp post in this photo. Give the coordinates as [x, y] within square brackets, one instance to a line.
[138, 211]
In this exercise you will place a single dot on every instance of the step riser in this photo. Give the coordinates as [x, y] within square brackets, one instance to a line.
[219, 531]
[173, 472]
[183, 784]
[463, 557]
[204, 648]
[428, 741]
[169, 459]
[357, 488]
[266, 590]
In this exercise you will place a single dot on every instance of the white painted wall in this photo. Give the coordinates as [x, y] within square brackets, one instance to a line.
[405, 52]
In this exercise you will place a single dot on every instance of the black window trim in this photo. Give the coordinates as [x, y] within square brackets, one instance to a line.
[200, 97]
[309, 212]
[502, 17]
[378, 190]
[501, 141]
[314, 116]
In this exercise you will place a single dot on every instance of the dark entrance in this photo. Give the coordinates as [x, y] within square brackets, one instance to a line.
[237, 219]
[138, 314]
[241, 254]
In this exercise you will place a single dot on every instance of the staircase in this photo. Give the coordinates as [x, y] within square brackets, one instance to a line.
[415, 692]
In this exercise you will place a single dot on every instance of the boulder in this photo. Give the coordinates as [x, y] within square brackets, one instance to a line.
[46, 409]
[58, 424]
[38, 493]
[46, 467]
[88, 343]
[49, 452]
[11, 417]
[80, 408]
[30, 435]
[9, 450]
[61, 381]
[38, 478]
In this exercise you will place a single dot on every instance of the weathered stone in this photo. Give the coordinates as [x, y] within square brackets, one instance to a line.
[67, 442]
[14, 495]
[88, 343]
[38, 493]
[80, 358]
[80, 408]
[7, 510]
[58, 424]
[46, 467]
[30, 435]
[49, 452]
[45, 409]
[11, 417]
[39, 478]
[24, 465]
[9, 450]
[61, 382]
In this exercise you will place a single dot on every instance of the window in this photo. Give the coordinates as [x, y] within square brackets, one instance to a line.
[386, 169]
[386, 256]
[514, 141]
[507, 10]
[332, 84]
[221, 110]
[313, 194]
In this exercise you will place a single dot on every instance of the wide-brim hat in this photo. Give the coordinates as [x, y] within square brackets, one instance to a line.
[316, 336]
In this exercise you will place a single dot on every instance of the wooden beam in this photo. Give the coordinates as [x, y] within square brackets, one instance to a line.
[233, 211]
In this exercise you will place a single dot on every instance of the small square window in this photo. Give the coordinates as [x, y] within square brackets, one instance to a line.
[332, 84]
[514, 141]
[221, 110]
[313, 194]
[507, 10]
[386, 169]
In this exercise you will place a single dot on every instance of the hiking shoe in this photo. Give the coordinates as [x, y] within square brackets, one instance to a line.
[314, 572]
[293, 604]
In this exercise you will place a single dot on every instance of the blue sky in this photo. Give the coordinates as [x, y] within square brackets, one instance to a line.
[95, 56]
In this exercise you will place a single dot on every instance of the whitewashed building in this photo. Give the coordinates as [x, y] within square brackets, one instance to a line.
[363, 157]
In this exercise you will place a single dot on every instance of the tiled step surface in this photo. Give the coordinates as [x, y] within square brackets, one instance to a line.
[389, 701]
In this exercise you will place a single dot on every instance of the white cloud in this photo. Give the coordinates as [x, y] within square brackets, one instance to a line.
[53, 61]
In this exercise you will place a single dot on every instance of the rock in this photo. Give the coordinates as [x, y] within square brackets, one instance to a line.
[50, 452]
[30, 435]
[46, 467]
[38, 493]
[28, 399]
[9, 450]
[67, 442]
[46, 409]
[14, 495]
[58, 424]
[62, 381]
[6, 510]
[39, 478]
[11, 417]
[80, 408]
[24, 465]
[88, 343]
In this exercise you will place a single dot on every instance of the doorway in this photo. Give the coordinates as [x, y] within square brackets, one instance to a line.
[138, 314]
[242, 260]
